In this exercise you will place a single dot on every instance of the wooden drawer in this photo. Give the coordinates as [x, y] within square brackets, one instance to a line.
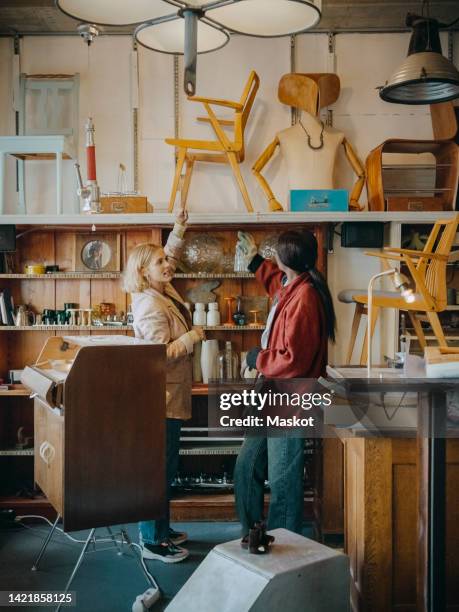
[125, 204]
[414, 203]
[49, 447]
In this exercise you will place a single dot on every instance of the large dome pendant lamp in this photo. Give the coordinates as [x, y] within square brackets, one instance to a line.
[190, 27]
[426, 76]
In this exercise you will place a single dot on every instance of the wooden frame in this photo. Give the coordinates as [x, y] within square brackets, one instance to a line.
[97, 253]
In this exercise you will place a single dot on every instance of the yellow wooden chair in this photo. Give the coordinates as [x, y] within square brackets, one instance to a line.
[427, 269]
[223, 150]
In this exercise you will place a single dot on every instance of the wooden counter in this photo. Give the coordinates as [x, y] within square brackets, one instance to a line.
[381, 522]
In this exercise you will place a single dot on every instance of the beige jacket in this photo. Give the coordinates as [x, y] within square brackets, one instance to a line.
[158, 319]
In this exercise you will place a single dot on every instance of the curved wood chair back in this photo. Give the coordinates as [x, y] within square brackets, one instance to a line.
[440, 242]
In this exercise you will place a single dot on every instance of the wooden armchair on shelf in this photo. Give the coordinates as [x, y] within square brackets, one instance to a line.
[427, 269]
[222, 150]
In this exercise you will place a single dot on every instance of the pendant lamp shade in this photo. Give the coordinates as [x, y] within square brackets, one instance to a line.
[190, 27]
[425, 76]
[267, 18]
[169, 36]
[115, 12]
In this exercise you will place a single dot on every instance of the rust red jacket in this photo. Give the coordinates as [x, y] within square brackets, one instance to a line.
[298, 338]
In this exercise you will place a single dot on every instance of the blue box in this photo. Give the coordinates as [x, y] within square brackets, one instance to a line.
[319, 200]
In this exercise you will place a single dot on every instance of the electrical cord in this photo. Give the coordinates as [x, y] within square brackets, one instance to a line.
[19, 519]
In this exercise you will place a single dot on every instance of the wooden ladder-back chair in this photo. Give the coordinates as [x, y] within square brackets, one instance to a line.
[223, 150]
[427, 269]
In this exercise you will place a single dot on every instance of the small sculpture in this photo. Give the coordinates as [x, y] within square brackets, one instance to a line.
[203, 292]
[22, 440]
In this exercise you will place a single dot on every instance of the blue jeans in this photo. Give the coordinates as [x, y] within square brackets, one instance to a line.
[282, 460]
[155, 532]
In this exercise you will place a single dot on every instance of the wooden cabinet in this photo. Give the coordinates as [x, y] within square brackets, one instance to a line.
[49, 444]
[381, 523]
[99, 454]
[200, 452]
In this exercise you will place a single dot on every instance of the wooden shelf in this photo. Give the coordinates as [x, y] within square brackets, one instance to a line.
[217, 506]
[198, 275]
[211, 450]
[199, 389]
[15, 390]
[234, 328]
[116, 275]
[41, 328]
[64, 276]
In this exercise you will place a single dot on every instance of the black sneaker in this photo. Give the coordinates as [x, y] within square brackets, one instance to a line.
[167, 552]
[177, 537]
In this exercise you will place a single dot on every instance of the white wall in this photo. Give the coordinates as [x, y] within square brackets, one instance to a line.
[363, 61]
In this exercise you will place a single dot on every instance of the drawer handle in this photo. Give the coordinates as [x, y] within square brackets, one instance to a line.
[47, 452]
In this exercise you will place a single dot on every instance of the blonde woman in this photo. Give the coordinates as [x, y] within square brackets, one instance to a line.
[161, 316]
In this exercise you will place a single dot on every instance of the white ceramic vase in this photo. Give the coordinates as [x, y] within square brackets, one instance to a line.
[209, 353]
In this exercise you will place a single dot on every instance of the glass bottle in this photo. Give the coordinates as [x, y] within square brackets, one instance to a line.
[227, 363]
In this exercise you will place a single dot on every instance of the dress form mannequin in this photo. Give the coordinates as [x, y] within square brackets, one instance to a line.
[309, 148]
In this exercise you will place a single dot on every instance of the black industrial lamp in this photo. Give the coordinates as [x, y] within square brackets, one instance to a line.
[426, 76]
[196, 26]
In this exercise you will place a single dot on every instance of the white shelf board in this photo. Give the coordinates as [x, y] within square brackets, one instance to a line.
[217, 218]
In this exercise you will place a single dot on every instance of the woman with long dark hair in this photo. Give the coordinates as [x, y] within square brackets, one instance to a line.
[293, 345]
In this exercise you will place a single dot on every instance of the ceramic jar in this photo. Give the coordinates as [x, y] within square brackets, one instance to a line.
[213, 315]
[199, 315]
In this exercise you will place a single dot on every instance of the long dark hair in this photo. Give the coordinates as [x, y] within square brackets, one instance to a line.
[298, 250]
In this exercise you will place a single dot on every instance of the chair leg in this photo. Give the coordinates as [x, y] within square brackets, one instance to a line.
[186, 182]
[178, 172]
[417, 329]
[358, 312]
[374, 318]
[437, 328]
[240, 181]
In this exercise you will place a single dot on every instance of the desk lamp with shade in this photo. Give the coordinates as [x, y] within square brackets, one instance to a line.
[401, 283]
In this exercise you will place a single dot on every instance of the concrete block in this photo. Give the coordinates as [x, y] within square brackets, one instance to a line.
[297, 575]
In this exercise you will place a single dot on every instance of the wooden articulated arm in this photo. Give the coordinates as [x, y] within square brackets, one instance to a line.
[359, 170]
[258, 166]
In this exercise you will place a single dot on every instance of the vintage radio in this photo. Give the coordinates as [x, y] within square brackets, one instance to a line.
[413, 175]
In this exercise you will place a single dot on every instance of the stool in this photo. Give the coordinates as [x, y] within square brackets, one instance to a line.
[298, 574]
[359, 297]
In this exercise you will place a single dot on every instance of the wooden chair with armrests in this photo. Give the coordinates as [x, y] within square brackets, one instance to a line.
[427, 269]
[222, 150]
